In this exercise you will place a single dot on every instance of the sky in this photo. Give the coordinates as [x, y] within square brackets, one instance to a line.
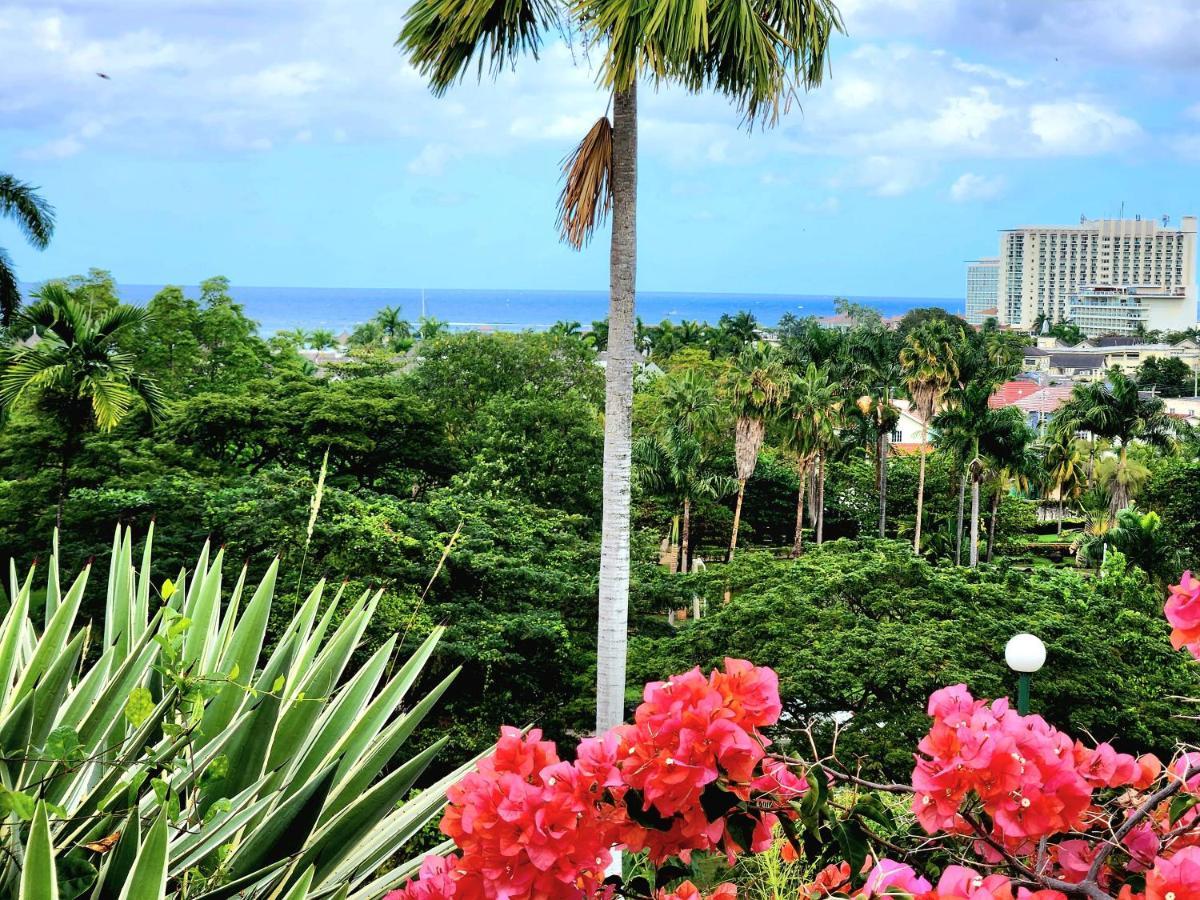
[288, 142]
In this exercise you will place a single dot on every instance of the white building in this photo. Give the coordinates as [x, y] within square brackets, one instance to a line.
[1043, 267]
[983, 276]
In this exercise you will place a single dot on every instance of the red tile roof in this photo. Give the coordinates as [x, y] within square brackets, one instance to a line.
[1010, 392]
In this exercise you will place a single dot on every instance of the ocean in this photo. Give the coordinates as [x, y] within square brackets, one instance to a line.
[340, 309]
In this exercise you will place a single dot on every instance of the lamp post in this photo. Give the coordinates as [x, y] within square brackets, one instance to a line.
[1025, 654]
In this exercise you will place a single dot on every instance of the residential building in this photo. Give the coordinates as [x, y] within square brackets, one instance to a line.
[1043, 269]
[1091, 359]
[983, 277]
[908, 430]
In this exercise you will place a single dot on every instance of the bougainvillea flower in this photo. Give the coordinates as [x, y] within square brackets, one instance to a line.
[1175, 878]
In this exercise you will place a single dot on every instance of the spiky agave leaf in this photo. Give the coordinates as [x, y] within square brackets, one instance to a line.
[247, 767]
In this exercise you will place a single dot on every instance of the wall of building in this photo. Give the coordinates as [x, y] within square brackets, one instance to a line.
[1042, 267]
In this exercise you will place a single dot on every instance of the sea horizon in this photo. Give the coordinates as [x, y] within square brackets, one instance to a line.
[277, 308]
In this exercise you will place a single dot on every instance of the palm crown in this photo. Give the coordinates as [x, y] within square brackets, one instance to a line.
[35, 218]
[76, 361]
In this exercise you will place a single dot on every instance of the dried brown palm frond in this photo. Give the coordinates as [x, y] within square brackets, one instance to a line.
[586, 196]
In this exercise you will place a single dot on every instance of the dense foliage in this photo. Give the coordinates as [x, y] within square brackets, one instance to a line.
[862, 633]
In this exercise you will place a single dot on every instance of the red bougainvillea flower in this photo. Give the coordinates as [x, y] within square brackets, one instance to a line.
[1033, 780]
[1175, 878]
[1183, 612]
[831, 880]
[688, 891]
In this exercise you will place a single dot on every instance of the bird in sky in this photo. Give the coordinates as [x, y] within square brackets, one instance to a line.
[102, 75]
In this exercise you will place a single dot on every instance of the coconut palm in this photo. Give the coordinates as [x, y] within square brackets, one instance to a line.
[77, 372]
[1064, 468]
[394, 328]
[35, 218]
[1116, 410]
[811, 417]
[321, 339]
[756, 58]
[929, 362]
[875, 376]
[757, 385]
[1014, 464]
[675, 457]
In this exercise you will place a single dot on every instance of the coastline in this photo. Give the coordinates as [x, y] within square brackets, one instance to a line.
[340, 309]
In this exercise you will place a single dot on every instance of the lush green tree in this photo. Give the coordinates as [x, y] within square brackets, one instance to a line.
[75, 371]
[862, 633]
[169, 343]
[916, 318]
[546, 449]
[1167, 377]
[35, 219]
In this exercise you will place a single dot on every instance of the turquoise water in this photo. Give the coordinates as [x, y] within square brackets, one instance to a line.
[276, 308]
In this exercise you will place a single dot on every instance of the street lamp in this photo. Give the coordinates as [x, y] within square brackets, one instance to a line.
[1025, 654]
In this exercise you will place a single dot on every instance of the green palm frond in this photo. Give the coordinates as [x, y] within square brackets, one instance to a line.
[10, 292]
[34, 216]
[442, 37]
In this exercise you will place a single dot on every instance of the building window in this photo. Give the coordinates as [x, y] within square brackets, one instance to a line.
[896, 437]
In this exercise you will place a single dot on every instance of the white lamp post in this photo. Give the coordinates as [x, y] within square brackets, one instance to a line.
[1025, 654]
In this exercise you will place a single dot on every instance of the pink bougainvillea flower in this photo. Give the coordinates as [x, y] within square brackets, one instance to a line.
[1175, 878]
[891, 877]
[1183, 612]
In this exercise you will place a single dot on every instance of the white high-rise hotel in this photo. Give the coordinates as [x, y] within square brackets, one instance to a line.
[1106, 275]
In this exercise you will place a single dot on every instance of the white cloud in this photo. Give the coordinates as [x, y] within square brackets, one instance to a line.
[885, 176]
[431, 161]
[969, 186]
[1076, 127]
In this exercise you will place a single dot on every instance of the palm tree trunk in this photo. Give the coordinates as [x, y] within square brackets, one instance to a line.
[992, 525]
[821, 498]
[798, 540]
[612, 633]
[1060, 510]
[737, 519]
[685, 563]
[958, 530]
[883, 476]
[973, 550]
[920, 492]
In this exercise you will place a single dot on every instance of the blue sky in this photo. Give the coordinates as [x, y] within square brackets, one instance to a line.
[285, 142]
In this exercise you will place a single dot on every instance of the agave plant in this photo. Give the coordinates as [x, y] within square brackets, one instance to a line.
[169, 757]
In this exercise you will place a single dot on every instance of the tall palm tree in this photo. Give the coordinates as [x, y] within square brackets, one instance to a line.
[676, 455]
[1014, 463]
[77, 371]
[758, 60]
[810, 421]
[757, 385]
[1115, 410]
[35, 218]
[875, 376]
[1064, 468]
[929, 361]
